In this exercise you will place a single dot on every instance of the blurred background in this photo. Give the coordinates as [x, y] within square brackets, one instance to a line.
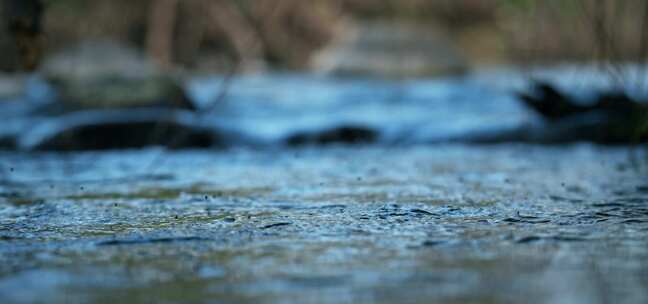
[183, 54]
[359, 151]
[446, 36]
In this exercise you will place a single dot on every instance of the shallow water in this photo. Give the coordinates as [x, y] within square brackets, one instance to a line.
[270, 110]
[415, 224]
[396, 221]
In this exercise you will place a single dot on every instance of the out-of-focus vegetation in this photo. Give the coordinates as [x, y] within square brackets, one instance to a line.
[203, 34]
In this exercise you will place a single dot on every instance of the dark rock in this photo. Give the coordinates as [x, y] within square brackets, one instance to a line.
[116, 103]
[551, 104]
[612, 118]
[343, 134]
[8, 141]
[118, 129]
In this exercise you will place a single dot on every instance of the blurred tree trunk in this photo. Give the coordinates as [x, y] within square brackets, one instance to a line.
[223, 17]
[24, 21]
[291, 30]
[227, 17]
[161, 25]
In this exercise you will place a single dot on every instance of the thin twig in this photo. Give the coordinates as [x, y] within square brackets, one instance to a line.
[597, 21]
[218, 101]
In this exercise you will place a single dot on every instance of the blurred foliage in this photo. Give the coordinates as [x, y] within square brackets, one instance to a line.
[285, 33]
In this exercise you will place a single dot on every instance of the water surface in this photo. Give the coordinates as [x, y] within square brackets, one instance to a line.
[417, 224]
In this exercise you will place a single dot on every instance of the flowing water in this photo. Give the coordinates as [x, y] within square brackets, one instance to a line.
[379, 223]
